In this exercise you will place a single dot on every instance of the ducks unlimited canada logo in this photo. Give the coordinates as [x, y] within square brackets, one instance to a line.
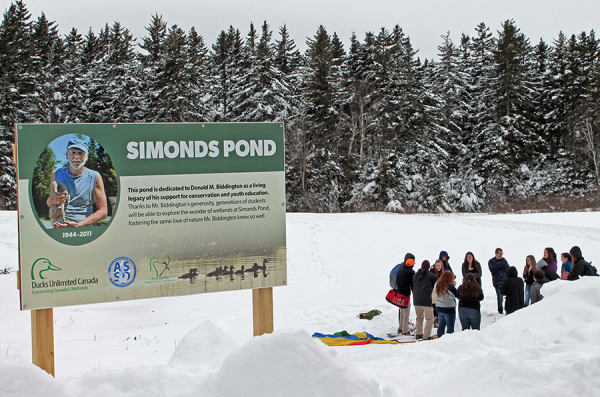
[42, 269]
[122, 272]
[41, 266]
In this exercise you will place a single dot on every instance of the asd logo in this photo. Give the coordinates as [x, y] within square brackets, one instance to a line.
[122, 272]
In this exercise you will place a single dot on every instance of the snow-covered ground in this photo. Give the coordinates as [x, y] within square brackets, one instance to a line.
[338, 267]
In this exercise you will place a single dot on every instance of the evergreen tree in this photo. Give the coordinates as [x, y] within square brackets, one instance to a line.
[17, 84]
[41, 181]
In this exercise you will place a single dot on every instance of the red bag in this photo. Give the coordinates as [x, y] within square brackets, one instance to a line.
[397, 299]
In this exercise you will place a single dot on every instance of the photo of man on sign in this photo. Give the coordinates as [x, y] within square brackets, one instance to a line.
[77, 197]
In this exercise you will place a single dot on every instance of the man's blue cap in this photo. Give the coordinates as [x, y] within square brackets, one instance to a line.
[78, 143]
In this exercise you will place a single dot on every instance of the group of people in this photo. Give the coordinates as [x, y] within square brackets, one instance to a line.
[434, 291]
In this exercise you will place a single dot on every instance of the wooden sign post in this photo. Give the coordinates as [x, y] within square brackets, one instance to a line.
[262, 305]
[42, 339]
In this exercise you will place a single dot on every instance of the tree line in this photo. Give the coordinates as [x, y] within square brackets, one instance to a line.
[494, 120]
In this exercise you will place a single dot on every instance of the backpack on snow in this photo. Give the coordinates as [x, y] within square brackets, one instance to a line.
[590, 270]
[393, 275]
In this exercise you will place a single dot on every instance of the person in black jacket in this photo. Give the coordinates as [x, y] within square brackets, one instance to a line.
[423, 282]
[579, 264]
[404, 286]
[470, 265]
[470, 295]
[528, 276]
[513, 288]
[549, 273]
[498, 266]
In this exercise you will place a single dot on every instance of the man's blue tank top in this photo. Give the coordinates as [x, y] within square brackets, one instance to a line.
[81, 190]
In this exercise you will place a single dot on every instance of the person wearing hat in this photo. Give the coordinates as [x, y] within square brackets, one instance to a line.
[84, 186]
[404, 286]
[423, 283]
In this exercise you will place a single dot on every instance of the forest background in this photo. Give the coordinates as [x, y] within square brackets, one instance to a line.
[496, 123]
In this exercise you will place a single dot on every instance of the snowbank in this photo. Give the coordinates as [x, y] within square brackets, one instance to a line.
[338, 266]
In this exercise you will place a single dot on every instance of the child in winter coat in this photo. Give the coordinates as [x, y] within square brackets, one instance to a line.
[540, 280]
[567, 265]
[513, 289]
[445, 296]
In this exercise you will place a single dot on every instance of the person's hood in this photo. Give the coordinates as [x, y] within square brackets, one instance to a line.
[444, 253]
[512, 272]
[409, 256]
[576, 252]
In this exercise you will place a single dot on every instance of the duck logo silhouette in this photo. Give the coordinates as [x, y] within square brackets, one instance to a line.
[41, 266]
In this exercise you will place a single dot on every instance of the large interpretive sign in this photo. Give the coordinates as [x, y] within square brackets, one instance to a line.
[111, 212]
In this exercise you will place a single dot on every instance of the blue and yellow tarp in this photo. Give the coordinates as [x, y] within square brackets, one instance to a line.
[343, 338]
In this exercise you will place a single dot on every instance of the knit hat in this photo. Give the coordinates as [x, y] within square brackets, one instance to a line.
[409, 262]
[425, 264]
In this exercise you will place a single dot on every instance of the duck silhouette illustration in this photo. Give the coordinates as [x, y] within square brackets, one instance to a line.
[240, 272]
[253, 269]
[191, 275]
[43, 265]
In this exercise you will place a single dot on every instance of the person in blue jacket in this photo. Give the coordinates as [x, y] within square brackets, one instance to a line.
[498, 267]
[444, 258]
[567, 265]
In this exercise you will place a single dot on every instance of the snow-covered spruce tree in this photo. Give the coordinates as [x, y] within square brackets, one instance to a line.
[262, 93]
[290, 63]
[17, 85]
[197, 73]
[48, 61]
[448, 106]
[175, 95]
[71, 79]
[111, 84]
[370, 114]
[227, 58]
[174, 70]
[318, 165]
[484, 147]
[417, 140]
[150, 61]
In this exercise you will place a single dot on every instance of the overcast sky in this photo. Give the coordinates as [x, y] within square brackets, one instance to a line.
[422, 20]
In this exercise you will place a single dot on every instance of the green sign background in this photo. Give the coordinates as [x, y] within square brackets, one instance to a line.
[169, 236]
